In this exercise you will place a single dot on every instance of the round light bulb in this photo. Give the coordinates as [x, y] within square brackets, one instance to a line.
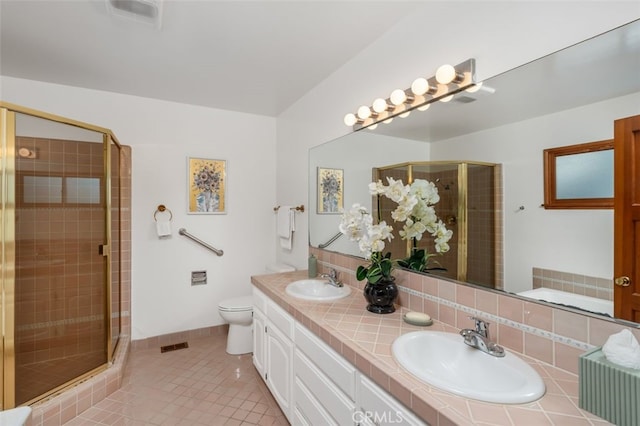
[364, 112]
[424, 107]
[445, 74]
[380, 105]
[388, 120]
[373, 126]
[446, 98]
[350, 119]
[405, 114]
[398, 97]
[420, 86]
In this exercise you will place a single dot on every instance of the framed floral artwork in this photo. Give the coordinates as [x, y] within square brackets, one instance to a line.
[330, 191]
[207, 183]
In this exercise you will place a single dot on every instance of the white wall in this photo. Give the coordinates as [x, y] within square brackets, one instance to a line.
[500, 35]
[356, 154]
[575, 241]
[162, 135]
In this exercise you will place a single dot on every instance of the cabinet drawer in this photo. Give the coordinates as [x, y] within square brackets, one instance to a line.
[280, 318]
[331, 363]
[380, 408]
[307, 411]
[324, 391]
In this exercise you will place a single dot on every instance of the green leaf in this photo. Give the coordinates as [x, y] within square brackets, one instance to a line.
[361, 273]
[386, 268]
[374, 278]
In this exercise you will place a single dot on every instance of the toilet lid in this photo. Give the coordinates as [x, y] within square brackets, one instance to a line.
[243, 303]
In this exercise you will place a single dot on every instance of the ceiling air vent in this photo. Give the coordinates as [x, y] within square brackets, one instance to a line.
[145, 11]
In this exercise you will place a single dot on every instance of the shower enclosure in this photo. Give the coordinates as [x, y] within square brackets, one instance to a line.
[470, 206]
[61, 244]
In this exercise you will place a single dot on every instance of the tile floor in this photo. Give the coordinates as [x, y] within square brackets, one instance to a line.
[199, 385]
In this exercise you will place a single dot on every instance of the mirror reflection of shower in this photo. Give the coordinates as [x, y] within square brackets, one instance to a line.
[469, 206]
[449, 217]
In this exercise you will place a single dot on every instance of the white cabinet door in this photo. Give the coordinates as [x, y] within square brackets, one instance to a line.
[259, 336]
[279, 372]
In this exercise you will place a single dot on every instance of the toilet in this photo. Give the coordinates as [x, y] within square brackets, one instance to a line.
[19, 416]
[238, 312]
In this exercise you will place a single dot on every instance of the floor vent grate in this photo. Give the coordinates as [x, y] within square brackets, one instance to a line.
[169, 348]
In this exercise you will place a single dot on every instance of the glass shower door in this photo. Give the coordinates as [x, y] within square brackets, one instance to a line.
[61, 320]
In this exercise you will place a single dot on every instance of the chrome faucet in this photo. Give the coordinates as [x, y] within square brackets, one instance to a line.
[479, 338]
[332, 276]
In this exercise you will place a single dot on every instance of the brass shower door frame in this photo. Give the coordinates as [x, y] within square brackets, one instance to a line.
[8, 246]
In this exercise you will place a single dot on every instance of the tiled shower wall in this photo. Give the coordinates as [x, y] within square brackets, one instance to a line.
[59, 276]
[555, 336]
[481, 220]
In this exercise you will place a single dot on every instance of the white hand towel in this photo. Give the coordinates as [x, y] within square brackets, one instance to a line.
[623, 349]
[285, 226]
[163, 228]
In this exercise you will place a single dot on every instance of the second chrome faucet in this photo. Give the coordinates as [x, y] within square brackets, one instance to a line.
[479, 338]
[332, 276]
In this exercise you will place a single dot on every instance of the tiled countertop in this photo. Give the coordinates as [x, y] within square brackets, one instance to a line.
[365, 339]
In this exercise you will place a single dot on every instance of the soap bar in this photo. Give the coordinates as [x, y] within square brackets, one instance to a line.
[417, 318]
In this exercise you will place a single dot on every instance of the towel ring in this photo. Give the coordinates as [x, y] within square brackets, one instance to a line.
[161, 208]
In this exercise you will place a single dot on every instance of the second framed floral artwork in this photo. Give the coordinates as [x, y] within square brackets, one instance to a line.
[207, 186]
[330, 191]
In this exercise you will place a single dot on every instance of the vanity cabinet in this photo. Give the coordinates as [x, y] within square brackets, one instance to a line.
[312, 383]
[273, 349]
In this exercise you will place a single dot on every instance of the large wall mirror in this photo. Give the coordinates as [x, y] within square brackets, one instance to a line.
[566, 98]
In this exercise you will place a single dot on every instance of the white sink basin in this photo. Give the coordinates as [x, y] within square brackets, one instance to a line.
[443, 360]
[315, 289]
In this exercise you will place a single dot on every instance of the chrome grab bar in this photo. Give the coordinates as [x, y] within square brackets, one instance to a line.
[184, 232]
[331, 240]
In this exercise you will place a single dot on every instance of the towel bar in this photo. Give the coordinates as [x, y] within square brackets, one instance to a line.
[184, 232]
[299, 208]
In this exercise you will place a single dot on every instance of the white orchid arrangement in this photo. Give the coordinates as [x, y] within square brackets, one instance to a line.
[415, 209]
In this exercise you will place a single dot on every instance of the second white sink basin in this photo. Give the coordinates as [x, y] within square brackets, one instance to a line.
[316, 289]
[443, 360]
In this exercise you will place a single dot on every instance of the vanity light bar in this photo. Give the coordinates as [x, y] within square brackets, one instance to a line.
[447, 81]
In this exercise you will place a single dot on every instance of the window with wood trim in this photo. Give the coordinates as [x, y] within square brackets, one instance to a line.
[579, 176]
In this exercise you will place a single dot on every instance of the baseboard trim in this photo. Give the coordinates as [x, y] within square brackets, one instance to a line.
[175, 338]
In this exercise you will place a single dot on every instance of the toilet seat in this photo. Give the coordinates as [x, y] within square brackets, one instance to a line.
[237, 304]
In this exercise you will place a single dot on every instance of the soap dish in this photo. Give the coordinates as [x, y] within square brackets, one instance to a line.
[418, 321]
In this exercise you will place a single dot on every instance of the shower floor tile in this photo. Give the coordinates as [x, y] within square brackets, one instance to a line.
[198, 385]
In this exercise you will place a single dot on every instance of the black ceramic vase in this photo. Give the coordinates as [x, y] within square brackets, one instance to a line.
[381, 296]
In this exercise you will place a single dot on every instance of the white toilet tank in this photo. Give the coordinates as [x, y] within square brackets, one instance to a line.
[279, 267]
